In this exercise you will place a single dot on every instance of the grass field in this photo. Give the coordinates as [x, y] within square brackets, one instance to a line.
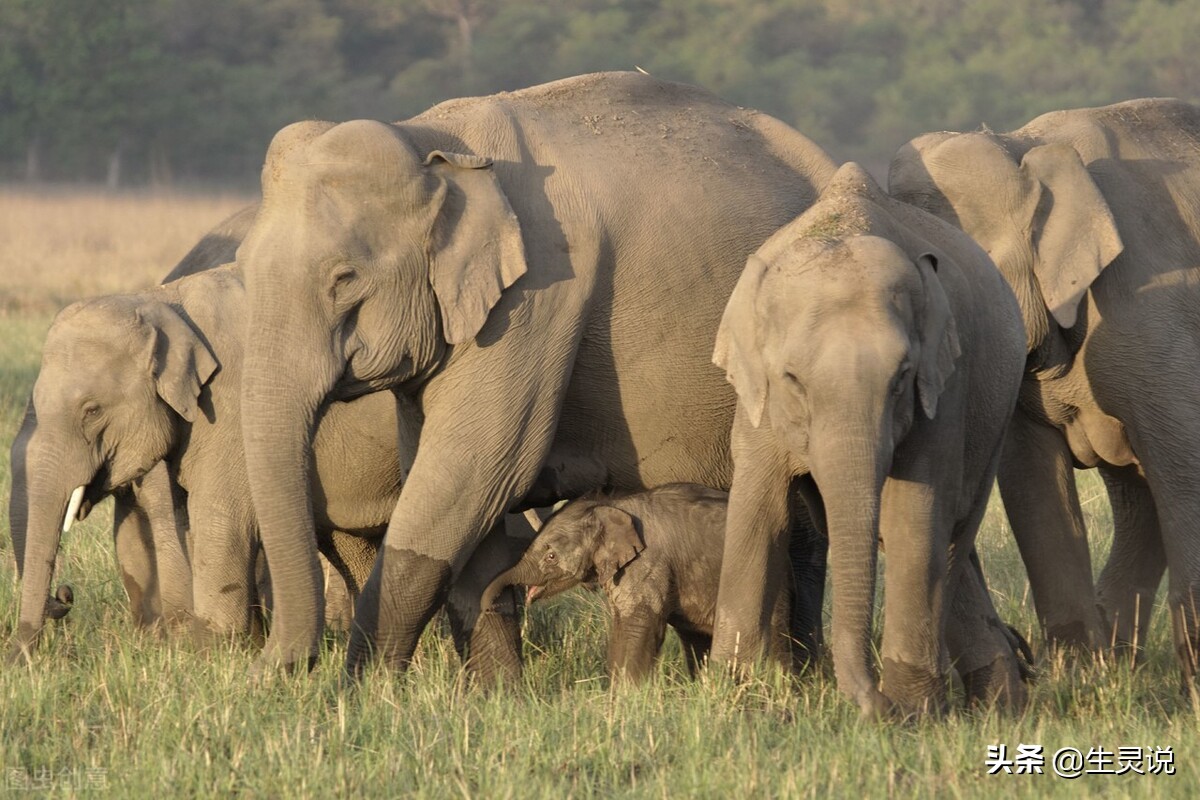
[107, 710]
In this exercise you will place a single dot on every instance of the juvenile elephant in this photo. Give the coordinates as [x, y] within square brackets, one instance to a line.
[1093, 217]
[657, 557]
[877, 350]
[541, 271]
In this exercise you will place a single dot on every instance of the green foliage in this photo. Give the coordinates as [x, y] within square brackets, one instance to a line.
[197, 87]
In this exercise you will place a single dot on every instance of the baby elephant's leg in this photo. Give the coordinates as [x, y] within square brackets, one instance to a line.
[634, 642]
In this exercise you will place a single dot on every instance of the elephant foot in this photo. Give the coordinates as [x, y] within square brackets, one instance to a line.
[401, 596]
[1076, 636]
[494, 654]
[915, 691]
[875, 705]
[998, 684]
[20, 650]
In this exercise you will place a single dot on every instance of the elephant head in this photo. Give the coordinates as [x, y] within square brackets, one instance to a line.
[367, 263]
[1035, 210]
[585, 541]
[840, 344]
[117, 375]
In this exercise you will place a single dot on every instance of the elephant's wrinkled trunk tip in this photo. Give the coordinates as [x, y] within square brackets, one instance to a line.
[73, 508]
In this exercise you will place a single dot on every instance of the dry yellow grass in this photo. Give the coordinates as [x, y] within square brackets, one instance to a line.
[57, 246]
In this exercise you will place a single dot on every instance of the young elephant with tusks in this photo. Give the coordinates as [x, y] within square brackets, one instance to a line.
[657, 557]
[878, 351]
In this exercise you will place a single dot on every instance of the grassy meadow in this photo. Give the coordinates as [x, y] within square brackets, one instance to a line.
[105, 709]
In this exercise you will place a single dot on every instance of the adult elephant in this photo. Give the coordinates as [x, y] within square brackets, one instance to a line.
[1093, 216]
[543, 272]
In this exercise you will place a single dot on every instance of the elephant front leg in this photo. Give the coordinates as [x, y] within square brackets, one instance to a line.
[135, 560]
[634, 642]
[489, 640]
[981, 647]
[1136, 562]
[223, 560]
[164, 502]
[1037, 484]
[916, 539]
[757, 523]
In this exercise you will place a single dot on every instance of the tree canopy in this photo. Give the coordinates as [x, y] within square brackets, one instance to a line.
[154, 90]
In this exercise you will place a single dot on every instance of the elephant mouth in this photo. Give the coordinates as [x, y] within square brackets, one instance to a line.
[546, 590]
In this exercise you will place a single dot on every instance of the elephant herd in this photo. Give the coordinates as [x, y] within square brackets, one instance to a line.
[611, 283]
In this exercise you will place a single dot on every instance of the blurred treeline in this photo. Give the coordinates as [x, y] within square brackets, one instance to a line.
[136, 91]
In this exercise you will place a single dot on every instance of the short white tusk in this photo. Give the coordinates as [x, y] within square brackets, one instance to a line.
[535, 522]
[73, 508]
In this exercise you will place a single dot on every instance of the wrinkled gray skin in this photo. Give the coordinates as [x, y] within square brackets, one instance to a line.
[1093, 216]
[543, 272]
[162, 370]
[878, 350]
[657, 557]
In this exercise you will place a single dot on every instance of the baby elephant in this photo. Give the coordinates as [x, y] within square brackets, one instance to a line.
[657, 556]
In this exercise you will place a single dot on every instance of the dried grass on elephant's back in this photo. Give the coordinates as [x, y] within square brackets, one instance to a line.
[58, 246]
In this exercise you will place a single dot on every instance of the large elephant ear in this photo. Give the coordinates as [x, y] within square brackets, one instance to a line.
[940, 348]
[1075, 235]
[738, 349]
[619, 542]
[477, 251]
[180, 363]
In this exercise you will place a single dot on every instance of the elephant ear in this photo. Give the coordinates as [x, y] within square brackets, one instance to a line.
[477, 251]
[1075, 235]
[939, 337]
[619, 542]
[738, 349]
[180, 363]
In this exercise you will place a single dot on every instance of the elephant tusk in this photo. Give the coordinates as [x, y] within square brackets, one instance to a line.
[73, 508]
[531, 516]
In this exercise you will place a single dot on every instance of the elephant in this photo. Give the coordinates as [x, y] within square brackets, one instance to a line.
[1093, 217]
[876, 352]
[657, 557]
[137, 397]
[542, 271]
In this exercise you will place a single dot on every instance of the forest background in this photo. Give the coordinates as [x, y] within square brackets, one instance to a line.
[134, 92]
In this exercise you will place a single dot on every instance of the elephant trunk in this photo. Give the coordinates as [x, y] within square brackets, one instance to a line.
[849, 469]
[47, 491]
[279, 403]
[525, 573]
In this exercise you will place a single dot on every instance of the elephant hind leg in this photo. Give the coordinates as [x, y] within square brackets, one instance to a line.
[1136, 562]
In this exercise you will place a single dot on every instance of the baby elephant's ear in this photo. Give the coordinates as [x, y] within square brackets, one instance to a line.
[619, 542]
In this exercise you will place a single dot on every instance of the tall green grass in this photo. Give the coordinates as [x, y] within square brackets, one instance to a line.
[107, 709]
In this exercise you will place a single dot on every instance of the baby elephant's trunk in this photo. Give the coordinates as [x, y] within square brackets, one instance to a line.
[524, 573]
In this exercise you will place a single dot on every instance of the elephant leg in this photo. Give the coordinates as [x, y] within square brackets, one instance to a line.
[1136, 563]
[346, 561]
[165, 504]
[757, 524]
[224, 562]
[695, 649]
[979, 644]
[634, 643]
[914, 581]
[1037, 484]
[339, 600]
[135, 559]
[808, 550]
[1172, 472]
[489, 640]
